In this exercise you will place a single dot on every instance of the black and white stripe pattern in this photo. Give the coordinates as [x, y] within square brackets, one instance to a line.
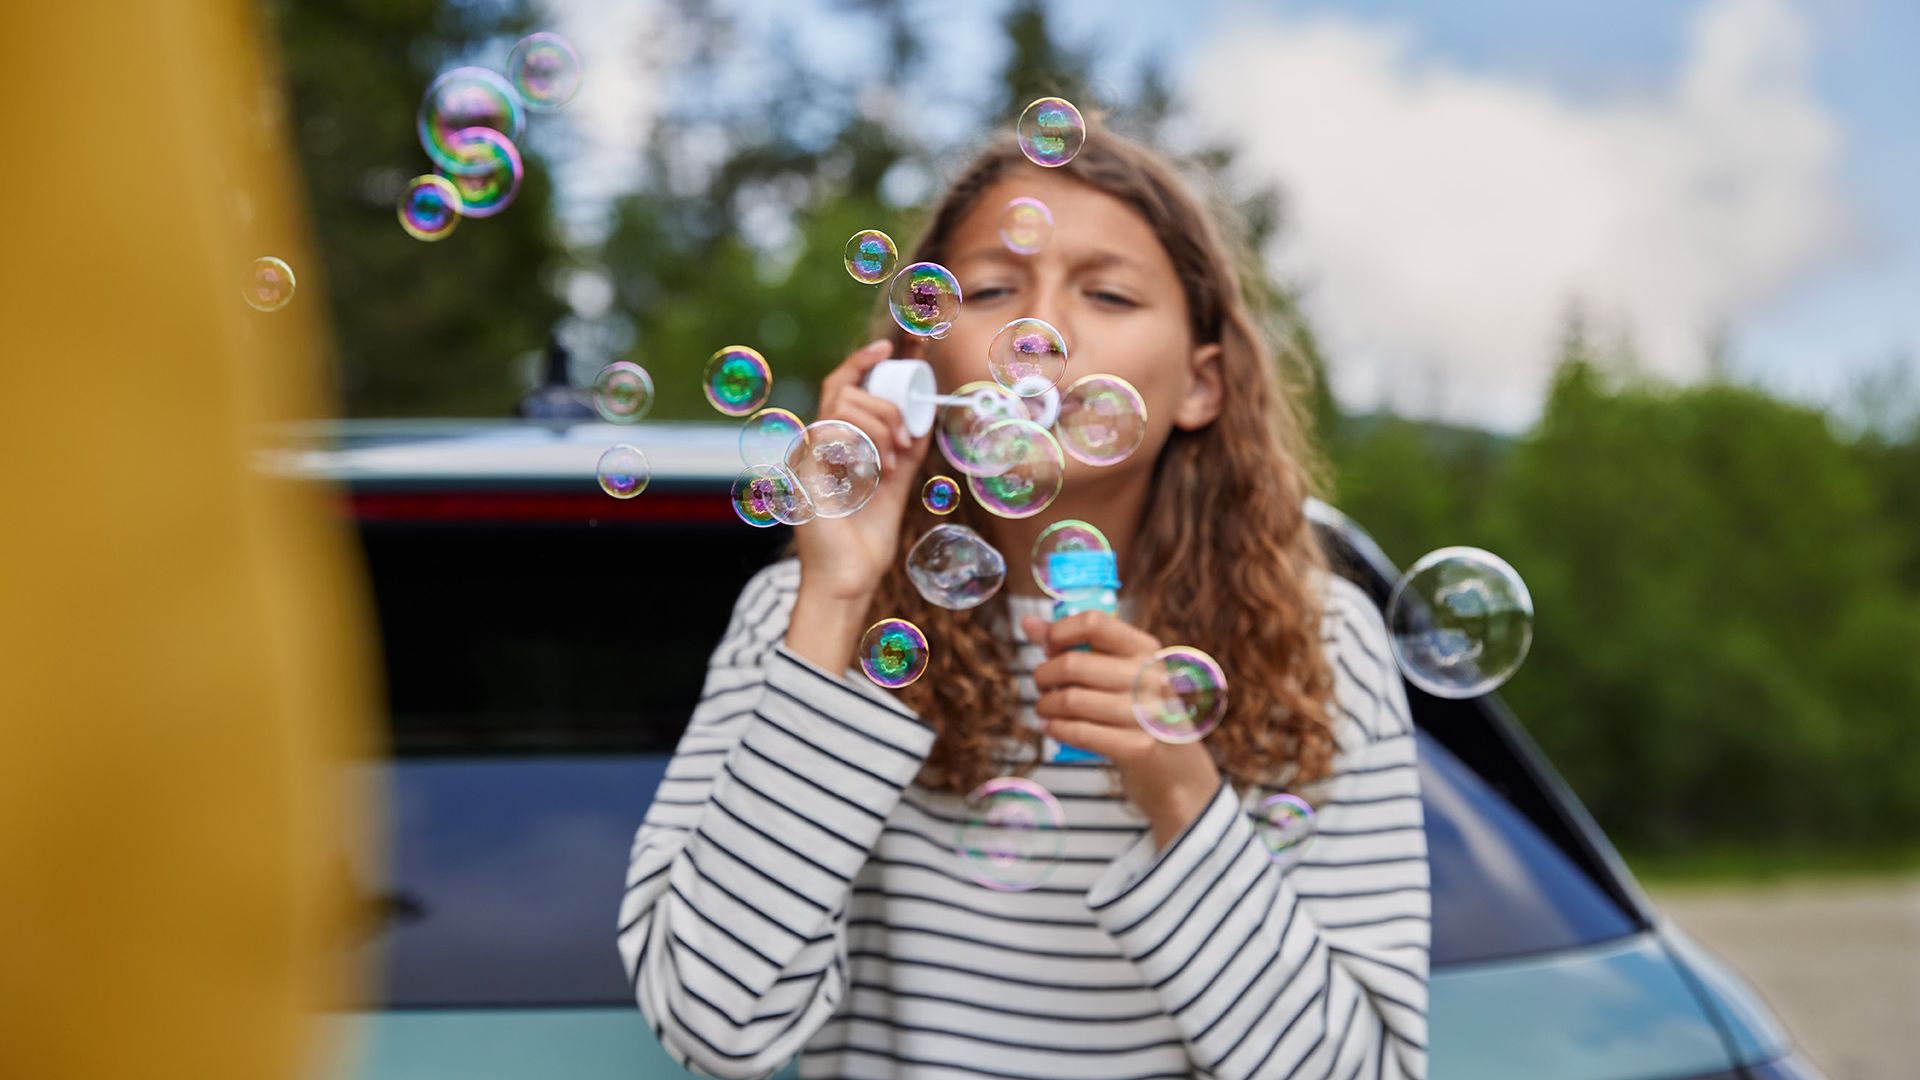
[793, 892]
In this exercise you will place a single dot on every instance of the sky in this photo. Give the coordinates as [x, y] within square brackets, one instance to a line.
[1693, 176]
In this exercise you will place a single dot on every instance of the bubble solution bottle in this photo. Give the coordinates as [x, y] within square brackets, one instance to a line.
[1086, 581]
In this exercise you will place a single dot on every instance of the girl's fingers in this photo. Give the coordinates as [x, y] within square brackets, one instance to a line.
[853, 370]
[896, 430]
[1103, 632]
[1089, 669]
[1108, 741]
[1102, 707]
[875, 427]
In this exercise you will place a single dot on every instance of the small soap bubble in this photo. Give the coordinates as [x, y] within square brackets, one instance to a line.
[738, 380]
[837, 466]
[1051, 131]
[1028, 469]
[1060, 538]
[870, 256]
[766, 436]
[623, 392]
[940, 495]
[893, 653]
[430, 208]
[1102, 419]
[546, 71]
[1461, 622]
[464, 98]
[1028, 357]
[1012, 836]
[269, 284]
[961, 427]
[490, 171]
[1026, 224]
[955, 568]
[1180, 694]
[768, 495]
[624, 471]
[925, 299]
[1285, 824]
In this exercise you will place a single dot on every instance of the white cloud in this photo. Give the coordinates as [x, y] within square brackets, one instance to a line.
[607, 124]
[1444, 221]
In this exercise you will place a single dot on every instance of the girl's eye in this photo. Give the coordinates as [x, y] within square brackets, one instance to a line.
[987, 292]
[1113, 298]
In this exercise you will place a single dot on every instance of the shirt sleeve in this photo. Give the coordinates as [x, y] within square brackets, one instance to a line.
[1314, 970]
[733, 925]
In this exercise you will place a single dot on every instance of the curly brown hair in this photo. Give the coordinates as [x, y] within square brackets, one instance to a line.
[1230, 564]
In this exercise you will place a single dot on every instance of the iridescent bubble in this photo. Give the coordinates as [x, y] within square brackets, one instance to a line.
[546, 71]
[624, 471]
[490, 172]
[955, 568]
[1102, 419]
[1063, 538]
[1028, 357]
[768, 495]
[1029, 469]
[1051, 131]
[893, 653]
[1285, 824]
[430, 208]
[1012, 836]
[738, 380]
[1044, 408]
[837, 465]
[1180, 694]
[961, 427]
[1461, 622]
[925, 299]
[269, 284]
[623, 392]
[766, 436]
[870, 256]
[464, 98]
[1026, 224]
[940, 495]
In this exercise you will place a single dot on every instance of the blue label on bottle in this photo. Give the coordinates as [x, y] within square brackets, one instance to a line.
[1070, 570]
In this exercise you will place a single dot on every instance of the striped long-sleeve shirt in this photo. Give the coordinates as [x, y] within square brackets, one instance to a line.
[793, 892]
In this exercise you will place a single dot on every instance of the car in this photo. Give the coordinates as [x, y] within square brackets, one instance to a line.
[544, 645]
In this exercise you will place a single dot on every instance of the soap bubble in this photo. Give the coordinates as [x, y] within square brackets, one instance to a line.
[1461, 622]
[961, 427]
[1012, 836]
[940, 495]
[837, 466]
[870, 256]
[430, 208]
[893, 653]
[1285, 824]
[490, 172]
[1028, 469]
[1062, 538]
[954, 568]
[768, 495]
[1028, 357]
[623, 392]
[737, 380]
[1102, 419]
[464, 98]
[1180, 694]
[766, 436]
[269, 284]
[1051, 131]
[624, 471]
[925, 299]
[546, 71]
[1026, 224]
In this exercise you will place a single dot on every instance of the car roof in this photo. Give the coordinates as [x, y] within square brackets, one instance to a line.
[516, 452]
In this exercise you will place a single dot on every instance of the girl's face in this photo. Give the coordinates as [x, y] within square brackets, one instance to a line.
[1106, 284]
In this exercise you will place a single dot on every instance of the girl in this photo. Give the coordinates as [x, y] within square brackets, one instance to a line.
[793, 890]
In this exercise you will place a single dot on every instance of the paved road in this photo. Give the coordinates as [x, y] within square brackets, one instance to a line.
[1839, 961]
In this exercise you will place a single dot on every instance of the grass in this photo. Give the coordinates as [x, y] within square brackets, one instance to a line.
[1746, 865]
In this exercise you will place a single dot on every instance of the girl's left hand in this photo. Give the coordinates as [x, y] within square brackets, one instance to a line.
[1086, 699]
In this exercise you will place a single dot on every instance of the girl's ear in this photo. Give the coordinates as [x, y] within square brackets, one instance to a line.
[1201, 405]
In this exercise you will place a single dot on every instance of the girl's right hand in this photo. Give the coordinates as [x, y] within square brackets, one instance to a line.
[844, 559]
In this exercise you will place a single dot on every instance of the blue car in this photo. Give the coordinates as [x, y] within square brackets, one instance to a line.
[544, 646]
